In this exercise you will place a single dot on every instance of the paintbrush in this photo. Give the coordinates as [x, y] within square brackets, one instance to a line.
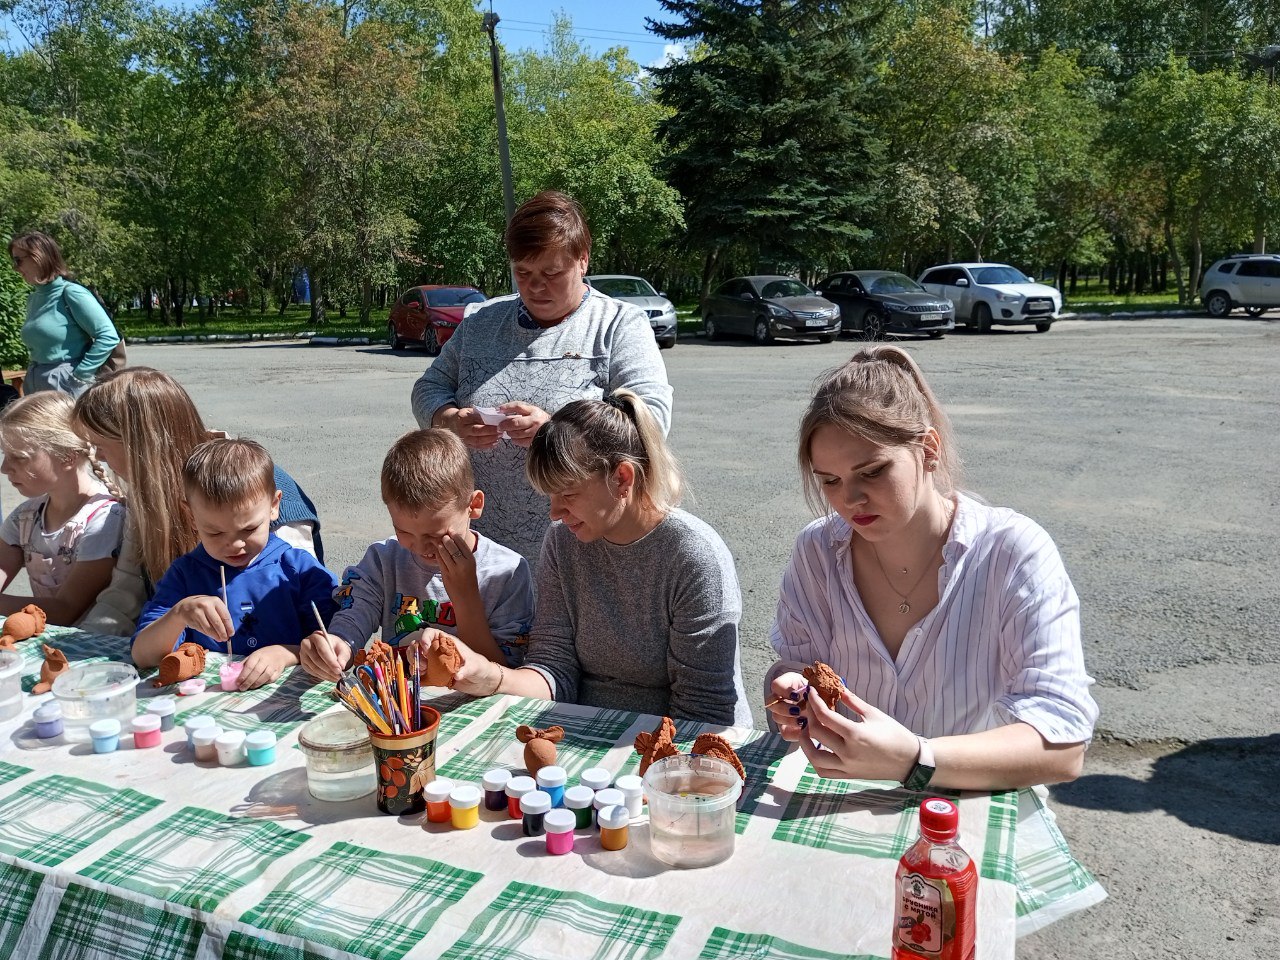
[222, 575]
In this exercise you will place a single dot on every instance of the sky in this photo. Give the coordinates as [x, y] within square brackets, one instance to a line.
[597, 24]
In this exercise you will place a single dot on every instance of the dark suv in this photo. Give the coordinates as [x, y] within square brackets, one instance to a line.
[1249, 280]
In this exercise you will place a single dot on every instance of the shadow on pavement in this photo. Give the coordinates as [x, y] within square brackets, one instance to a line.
[1223, 785]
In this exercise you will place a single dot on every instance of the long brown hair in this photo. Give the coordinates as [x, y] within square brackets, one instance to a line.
[157, 422]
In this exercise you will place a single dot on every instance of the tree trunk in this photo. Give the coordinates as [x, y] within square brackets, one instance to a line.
[366, 300]
[1173, 255]
[1260, 231]
[146, 303]
[317, 298]
[1075, 276]
[708, 272]
[1197, 252]
[180, 305]
[1062, 275]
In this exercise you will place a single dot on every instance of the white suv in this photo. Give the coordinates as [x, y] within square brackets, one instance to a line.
[1249, 280]
[993, 293]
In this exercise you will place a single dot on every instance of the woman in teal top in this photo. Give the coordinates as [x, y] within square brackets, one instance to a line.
[67, 333]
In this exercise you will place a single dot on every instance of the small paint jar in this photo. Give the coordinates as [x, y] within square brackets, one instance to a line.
[436, 793]
[533, 809]
[495, 789]
[230, 747]
[164, 708]
[48, 718]
[614, 827]
[464, 806]
[105, 735]
[608, 798]
[146, 731]
[202, 742]
[192, 687]
[551, 781]
[597, 778]
[192, 725]
[559, 826]
[632, 788]
[260, 747]
[229, 674]
[579, 801]
[517, 787]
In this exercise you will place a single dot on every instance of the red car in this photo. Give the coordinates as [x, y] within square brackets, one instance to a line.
[428, 315]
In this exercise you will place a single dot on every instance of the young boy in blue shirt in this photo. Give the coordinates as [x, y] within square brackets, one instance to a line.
[435, 572]
[231, 489]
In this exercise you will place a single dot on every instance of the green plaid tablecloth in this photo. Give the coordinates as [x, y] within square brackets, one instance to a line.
[147, 853]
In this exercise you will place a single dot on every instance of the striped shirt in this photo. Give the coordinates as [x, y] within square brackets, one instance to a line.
[1001, 646]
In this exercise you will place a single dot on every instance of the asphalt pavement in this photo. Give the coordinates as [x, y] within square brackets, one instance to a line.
[1146, 447]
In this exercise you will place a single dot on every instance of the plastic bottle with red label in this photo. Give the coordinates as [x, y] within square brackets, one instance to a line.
[935, 907]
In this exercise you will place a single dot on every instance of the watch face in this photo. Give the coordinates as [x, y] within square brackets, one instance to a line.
[919, 777]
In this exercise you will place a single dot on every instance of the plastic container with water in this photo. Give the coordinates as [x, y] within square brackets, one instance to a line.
[89, 692]
[10, 684]
[339, 757]
[692, 809]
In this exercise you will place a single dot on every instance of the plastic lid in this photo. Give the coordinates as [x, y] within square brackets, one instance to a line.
[47, 711]
[630, 785]
[613, 816]
[200, 721]
[609, 798]
[206, 735]
[535, 801]
[464, 796]
[496, 779]
[260, 740]
[230, 738]
[597, 778]
[146, 723]
[162, 706]
[939, 819]
[192, 687]
[437, 790]
[519, 786]
[578, 798]
[559, 821]
[104, 728]
[552, 776]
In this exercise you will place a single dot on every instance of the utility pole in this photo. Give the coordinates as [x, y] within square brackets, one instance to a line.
[504, 155]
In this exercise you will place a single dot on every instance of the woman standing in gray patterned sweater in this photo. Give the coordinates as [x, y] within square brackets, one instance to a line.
[529, 354]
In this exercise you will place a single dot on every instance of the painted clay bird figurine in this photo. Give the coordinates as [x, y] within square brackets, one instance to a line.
[55, 663]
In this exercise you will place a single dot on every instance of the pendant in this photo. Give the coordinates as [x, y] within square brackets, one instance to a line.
[904, 607]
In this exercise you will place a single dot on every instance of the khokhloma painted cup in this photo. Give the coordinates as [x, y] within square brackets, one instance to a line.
[406, 763]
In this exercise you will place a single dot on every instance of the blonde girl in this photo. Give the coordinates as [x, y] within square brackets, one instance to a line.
[67, 532]
[637, 600]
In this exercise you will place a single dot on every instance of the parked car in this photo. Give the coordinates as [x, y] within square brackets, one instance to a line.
[993, 293]
[637, 290]
[767, 307]
[1249, 280]
[875, 302]
[428, 315]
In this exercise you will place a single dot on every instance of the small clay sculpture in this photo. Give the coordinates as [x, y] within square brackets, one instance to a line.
[657, 745]
[183, 664]
[539, 746]
[826, 682]
[26, 623]
[442, 661]
[714, 745]
[55, 662]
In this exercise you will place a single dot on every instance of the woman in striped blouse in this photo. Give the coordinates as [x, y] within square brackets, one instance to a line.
[953, 623]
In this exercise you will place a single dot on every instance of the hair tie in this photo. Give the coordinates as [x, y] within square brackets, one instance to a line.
[619, 404]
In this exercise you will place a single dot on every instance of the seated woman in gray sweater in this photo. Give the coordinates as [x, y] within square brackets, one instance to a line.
[637, 601]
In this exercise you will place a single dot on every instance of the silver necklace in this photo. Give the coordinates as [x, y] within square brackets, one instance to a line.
[905, 605]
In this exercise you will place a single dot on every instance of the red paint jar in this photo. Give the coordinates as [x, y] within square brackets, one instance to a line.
[436, 793]
[516, 788]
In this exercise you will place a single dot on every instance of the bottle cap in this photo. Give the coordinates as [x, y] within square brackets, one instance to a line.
[230, 738]
[597, 778]
[205, 736]
[464, 796]
[579, 798]
[519, 786]
[104, 728]
[559, 821]
[496, 779]
[630, 785]
[552, 776]
[939, 819]
[535, 801]
[200, 720]
[260, 740]
[613, 817]
[609, 798]
[162, 706]
[438, 790]
[145, 723]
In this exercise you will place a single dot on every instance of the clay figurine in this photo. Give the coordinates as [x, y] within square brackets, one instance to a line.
[539, 746]
[377, 652]
[657, 745]
[26, 623]
[183, 664]
[714, 745]
[826, 682]
[442, 661]
[55, 662]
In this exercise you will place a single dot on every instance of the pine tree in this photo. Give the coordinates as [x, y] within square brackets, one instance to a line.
[767, 143]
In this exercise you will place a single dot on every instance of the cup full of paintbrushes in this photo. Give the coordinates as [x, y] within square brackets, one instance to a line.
[406, 763]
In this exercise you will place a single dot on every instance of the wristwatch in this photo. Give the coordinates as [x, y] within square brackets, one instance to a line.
[922, 772]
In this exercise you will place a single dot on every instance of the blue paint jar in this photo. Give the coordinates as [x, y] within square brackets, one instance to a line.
[551, 781]
[105, 735]
[48, 718]
[260, 746]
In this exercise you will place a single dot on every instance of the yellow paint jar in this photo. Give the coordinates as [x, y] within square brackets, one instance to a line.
[464, 806]
[614, 828]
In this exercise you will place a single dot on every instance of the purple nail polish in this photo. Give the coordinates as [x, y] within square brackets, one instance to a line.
[794, 711]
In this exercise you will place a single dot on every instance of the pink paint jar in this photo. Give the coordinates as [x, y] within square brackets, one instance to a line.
[559, 825]
[146, 731]
[516, 788]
